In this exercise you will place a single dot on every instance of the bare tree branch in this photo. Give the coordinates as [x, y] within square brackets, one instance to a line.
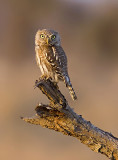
[60, 117]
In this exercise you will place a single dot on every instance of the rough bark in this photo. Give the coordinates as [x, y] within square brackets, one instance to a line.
[59, 116]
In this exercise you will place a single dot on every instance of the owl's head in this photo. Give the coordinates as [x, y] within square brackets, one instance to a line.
[47, 37]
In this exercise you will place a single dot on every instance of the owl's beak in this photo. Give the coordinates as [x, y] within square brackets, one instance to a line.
[47, 41]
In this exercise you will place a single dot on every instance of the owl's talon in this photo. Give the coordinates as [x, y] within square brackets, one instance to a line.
[43, 77]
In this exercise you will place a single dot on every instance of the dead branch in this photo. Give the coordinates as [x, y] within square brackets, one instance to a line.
[60, 117]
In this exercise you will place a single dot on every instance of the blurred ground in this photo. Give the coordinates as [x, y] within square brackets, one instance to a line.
[89, 33]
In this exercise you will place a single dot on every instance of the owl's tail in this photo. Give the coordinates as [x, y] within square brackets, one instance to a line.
[69, 86]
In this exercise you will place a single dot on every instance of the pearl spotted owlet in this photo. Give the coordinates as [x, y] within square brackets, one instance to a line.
[51, 58]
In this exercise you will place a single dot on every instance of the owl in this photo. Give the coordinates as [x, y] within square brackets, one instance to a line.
[51, 58]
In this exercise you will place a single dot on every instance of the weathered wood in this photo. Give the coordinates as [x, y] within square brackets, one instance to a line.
[60, 117]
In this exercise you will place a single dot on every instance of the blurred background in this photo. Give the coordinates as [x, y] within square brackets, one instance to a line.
[89, 34]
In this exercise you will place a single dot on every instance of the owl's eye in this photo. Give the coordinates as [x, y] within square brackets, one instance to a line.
[53, 37]
[42, 36]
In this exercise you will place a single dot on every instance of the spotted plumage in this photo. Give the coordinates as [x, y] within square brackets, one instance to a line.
[51, 58]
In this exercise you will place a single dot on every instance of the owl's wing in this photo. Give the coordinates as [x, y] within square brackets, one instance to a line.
[58, 60]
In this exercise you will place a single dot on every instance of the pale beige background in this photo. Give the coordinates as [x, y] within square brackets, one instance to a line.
[89, 33]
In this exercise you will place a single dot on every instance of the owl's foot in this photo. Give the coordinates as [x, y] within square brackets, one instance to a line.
[43, 77]
[46, 79]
